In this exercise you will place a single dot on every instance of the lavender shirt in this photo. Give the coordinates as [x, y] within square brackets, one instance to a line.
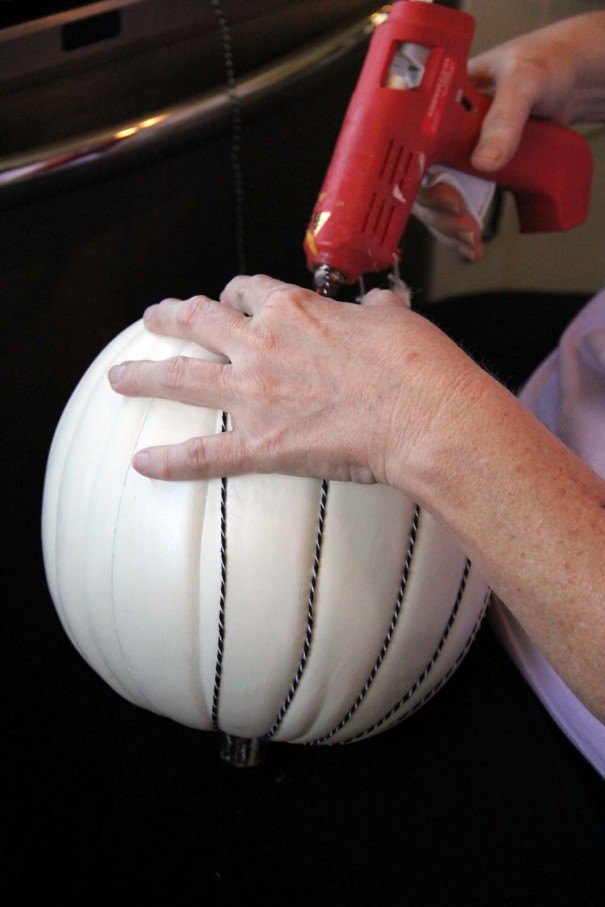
[567, 394]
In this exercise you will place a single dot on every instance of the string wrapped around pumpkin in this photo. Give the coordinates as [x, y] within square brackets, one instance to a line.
[265, 607]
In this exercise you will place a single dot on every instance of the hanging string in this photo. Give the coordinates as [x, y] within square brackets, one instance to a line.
[236, 134]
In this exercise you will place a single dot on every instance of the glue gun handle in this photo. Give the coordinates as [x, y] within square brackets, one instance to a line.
[550, 175]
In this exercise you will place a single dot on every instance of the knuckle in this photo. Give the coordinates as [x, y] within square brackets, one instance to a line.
[173, 376]
[258, 281]
[529, 68]
[195, 455]
[234, 291]
[188, 312]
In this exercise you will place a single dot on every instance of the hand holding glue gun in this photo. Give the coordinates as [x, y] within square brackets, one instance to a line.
[414, 107]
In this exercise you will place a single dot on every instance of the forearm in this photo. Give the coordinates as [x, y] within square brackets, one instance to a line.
[532, 517]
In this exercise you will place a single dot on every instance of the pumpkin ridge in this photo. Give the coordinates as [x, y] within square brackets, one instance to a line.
[407, 564]
[428, 667]
[70, 421]
[75, 412]
[454, 666]
[325, 487]
[148, 411]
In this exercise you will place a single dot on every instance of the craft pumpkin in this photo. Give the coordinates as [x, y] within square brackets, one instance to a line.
[263, 606]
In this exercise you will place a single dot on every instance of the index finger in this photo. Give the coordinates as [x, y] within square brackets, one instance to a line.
[514, 96]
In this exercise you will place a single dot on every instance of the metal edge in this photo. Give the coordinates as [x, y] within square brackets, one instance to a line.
[63, 165]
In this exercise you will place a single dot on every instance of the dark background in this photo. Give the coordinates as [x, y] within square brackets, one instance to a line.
[477, 799]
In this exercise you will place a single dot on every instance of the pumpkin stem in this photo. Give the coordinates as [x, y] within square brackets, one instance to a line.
[242, 752]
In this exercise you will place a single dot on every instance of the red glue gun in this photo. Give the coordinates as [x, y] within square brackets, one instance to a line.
[414, 107]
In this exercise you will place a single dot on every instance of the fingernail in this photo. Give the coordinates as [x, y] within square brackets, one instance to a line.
[141, 461]
[116, 374]
[469, 238]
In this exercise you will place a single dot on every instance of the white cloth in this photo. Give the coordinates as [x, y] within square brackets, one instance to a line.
[476, 192]
[567, 393]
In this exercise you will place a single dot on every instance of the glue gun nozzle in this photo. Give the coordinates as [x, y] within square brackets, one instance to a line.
[327, 280]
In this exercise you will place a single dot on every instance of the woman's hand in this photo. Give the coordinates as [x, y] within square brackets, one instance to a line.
[312, 386]
[556, 72]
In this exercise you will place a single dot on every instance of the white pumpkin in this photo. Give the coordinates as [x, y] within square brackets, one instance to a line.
[268, 607]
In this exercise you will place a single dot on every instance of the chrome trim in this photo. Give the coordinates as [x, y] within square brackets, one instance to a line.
[31, 26]
[65, 164]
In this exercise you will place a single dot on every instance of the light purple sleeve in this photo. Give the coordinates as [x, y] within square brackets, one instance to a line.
[567, 394]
